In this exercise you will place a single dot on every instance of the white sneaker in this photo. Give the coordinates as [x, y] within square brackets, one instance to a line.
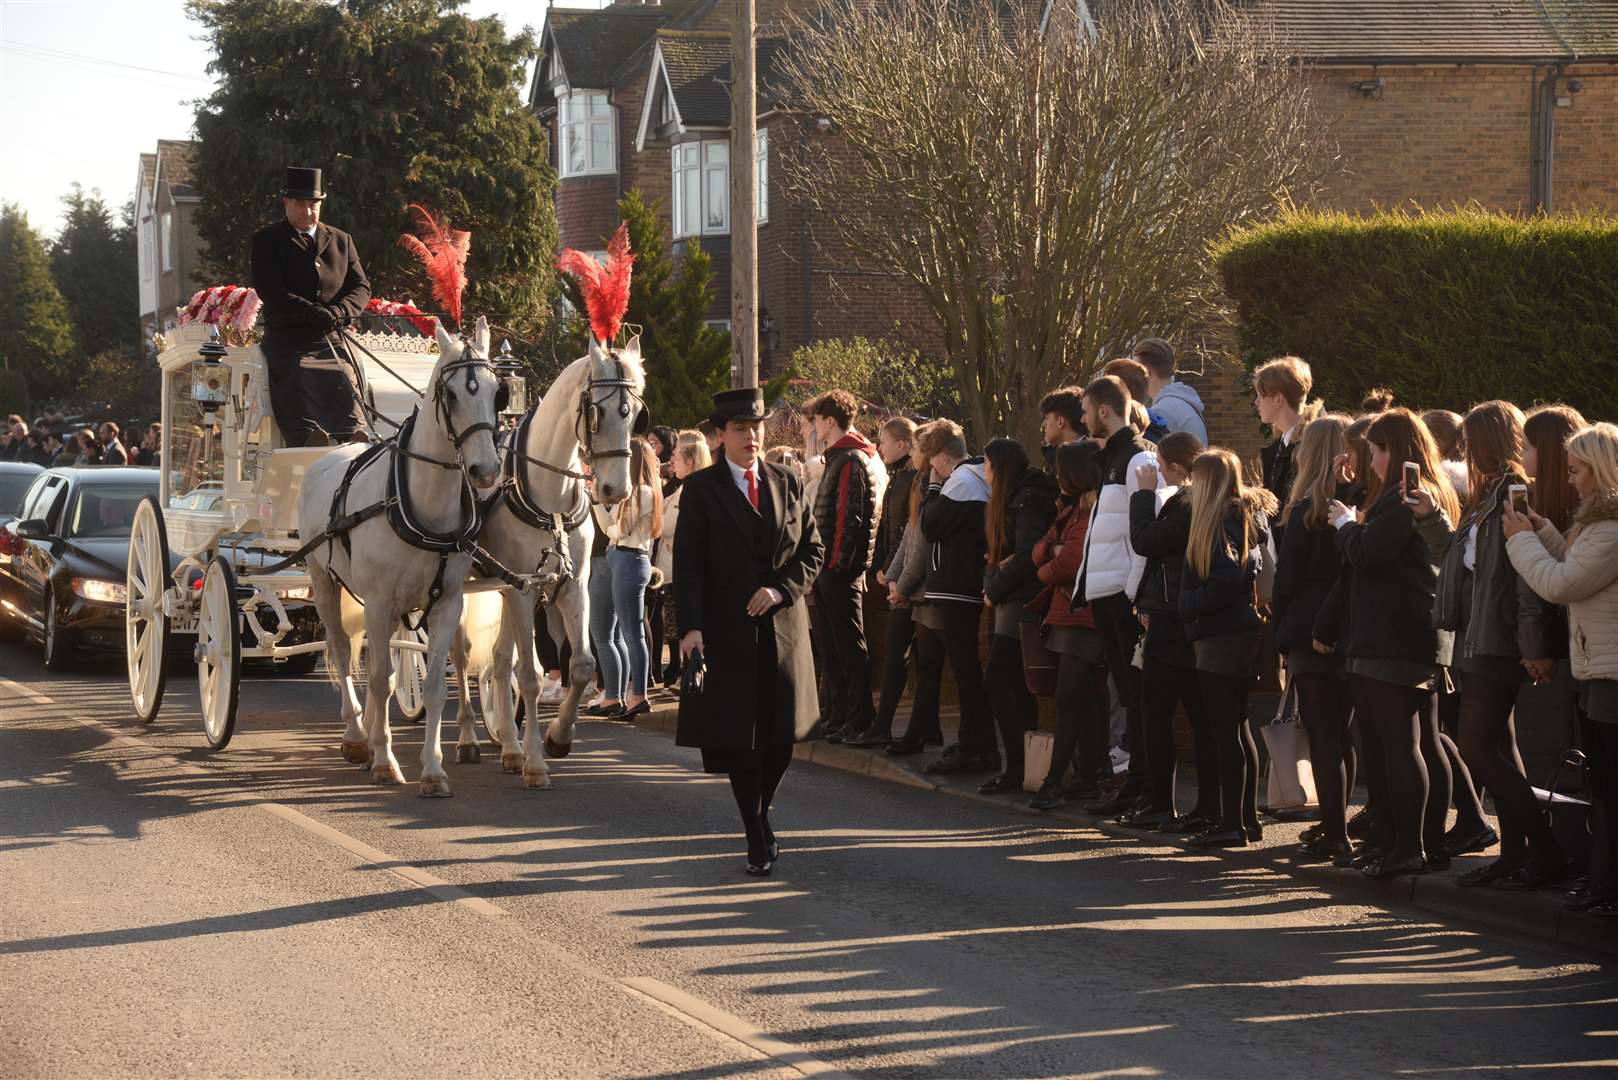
[551, 690]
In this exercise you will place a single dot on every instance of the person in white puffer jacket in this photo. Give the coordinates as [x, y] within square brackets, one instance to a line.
[1112, 570]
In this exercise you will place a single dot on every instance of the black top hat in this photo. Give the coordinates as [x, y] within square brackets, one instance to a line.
[302, 184]
[747, 403]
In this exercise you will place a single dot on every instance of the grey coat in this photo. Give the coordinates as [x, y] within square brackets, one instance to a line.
[1507, 618]
[908, 570]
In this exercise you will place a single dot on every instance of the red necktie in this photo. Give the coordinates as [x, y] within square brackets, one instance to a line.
[752, 489]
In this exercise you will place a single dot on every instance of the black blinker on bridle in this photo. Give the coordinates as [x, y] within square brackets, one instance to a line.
[471, 365]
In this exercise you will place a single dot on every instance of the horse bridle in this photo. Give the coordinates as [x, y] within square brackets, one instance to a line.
[588, 421]
[470, 361]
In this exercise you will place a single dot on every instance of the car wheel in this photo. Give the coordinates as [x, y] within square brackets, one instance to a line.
[58, 642]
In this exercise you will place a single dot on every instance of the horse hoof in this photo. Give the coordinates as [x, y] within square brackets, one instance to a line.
[435, 789]
[536, 779]
[386, 774]
[356, 753]
[468, 754]
[556, 749]
[511, 762]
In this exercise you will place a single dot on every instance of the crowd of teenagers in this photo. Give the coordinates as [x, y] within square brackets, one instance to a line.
[49, 442]
[1409, 574]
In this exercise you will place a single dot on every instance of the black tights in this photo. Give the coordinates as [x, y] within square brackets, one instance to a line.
[1082, 707]
[1324, 705]
[929, 679]
[1014, 707]
[1405, 767]
[754, 783]
[1166, 685]
[1468, 803]
[1225, 698]
[900, 633]
[1489, 745]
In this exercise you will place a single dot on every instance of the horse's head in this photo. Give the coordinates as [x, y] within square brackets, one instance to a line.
[611, 411]
[464, 401]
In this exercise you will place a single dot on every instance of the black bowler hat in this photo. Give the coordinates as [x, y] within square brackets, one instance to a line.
[302, 184]
[746, 403]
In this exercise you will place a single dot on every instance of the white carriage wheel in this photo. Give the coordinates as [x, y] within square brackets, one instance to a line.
[486, 703]
[219, 653]
[410, 676]
[147, 634]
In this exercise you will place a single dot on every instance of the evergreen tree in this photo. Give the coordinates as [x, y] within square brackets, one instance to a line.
[93, 262]
[687, 361]
[36, 334]
[399, 101]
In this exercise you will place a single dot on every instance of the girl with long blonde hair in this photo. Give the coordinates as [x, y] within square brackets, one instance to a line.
[1219, 588]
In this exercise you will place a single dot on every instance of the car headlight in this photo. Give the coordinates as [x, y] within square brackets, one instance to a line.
[103, 592]
[302, 592]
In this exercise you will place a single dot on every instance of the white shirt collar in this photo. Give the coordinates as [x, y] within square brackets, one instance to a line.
[1287, 436]
[739, 474]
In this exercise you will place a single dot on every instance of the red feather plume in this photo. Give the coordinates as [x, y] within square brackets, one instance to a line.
[605, 288]
[442, 252]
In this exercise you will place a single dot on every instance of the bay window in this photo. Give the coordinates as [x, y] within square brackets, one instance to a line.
[701, 200]
[588, 135]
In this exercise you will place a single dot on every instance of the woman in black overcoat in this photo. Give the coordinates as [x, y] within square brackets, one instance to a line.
[740, 576]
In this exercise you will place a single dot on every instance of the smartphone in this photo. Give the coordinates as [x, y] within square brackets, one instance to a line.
[1412, 480]
[1518, 494]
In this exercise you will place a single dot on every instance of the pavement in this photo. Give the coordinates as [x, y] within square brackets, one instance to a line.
[268, 911]
[1535, 914]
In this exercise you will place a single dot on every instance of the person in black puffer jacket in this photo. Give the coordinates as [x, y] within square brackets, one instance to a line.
[1022, 503]
[848, 502]
[952, 518]
[1169, 671]
[895, 442]
[1309, 594]
[1394, 653]
[1218, 594]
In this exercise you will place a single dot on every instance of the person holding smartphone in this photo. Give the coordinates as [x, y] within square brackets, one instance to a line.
[1503, 641]
[1394, 655]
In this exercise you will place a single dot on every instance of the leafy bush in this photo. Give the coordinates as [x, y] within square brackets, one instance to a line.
[1446, 309]
[885, 377]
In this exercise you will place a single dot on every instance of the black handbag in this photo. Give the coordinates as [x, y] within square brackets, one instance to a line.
[1569, 817]
[693, 676]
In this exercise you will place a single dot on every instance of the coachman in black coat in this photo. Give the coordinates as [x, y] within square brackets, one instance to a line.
[308, 286]
[759, 691]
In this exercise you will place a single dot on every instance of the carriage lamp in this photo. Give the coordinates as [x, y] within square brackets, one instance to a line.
[511, 376]
[210, 379]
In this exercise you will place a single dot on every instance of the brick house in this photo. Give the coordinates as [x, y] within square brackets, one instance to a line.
[166, 244]
[1512, 104]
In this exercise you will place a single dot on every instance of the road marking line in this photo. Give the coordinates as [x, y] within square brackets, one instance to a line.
[666, 997]
[733, 1026]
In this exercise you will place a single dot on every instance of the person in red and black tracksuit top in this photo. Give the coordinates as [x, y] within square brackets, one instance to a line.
[848, 505]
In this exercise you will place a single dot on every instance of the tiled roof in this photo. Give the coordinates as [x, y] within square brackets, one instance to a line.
[698, 65]
[1447, 31]
[176, 161]
[595, 44]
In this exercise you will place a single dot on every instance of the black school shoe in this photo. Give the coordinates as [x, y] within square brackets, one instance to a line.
[1361, 824]
[1536, 875]
[999, 785]
[1465, 844]
[958, 764]
[1049, 798]
[1145, 816]
[871, 736]
[1194, 822]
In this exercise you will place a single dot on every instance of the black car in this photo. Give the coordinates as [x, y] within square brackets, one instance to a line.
[68, 550]
[15, 478]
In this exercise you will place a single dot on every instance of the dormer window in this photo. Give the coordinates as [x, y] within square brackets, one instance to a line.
[589, 135]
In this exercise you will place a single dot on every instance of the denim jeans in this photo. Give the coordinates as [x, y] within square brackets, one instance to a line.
[604, 632]
[631, 573]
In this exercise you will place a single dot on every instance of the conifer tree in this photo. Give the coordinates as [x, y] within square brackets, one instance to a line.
[36, 335]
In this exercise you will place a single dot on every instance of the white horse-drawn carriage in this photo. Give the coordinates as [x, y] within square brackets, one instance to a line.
[246, 533]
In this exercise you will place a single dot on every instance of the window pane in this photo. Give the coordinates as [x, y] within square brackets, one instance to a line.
[688, 154]
[600, 145]
[674, 201]
[572, 109]
[718, 208]
[716, 153]
[691, 197]
[575, 148]
[761, 159]
[599, 106]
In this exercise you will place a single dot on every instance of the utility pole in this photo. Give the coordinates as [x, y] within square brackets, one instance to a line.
[743, 199]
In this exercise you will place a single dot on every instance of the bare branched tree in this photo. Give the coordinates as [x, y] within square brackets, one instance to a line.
[1050, 191]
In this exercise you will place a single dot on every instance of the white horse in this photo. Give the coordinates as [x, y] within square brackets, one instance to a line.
[446, 448]
[542, 525]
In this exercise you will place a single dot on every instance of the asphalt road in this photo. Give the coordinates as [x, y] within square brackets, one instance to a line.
[267, 911]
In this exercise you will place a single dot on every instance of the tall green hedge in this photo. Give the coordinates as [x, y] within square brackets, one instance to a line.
[1446, 309]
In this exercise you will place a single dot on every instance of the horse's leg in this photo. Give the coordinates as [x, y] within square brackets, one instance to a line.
[339, 656]
[380, 621]
[500, 670]
[466, 745]
[518, 625]
[442, 623]
[571, 604]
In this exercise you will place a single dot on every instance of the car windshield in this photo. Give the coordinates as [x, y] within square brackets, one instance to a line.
[13, 485]
[107, 509]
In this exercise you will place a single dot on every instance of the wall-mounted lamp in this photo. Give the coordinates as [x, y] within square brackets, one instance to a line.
[823, 124]
[1368, 88]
